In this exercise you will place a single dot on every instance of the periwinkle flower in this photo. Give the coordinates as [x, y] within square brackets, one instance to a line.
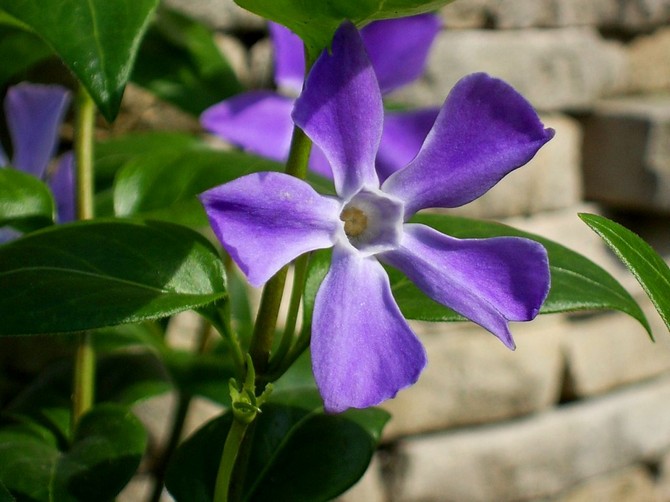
[260, 121]
[34, 114]
[363, 350]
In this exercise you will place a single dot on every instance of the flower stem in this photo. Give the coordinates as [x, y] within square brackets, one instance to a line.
[84, 371]
[266, 320]
[230, 452]
[300, 272]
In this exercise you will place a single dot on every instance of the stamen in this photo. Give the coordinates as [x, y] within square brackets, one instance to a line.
[355, 221]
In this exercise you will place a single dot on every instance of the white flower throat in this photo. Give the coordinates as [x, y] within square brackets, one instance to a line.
[372, 221]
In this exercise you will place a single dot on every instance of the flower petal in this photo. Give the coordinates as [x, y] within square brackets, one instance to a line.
[484, 130]
[259, 122]
[34, 115]
[341, 110]
[489, 281]
[63, 188]
[265, 220]
[289, 58]
[398, 48]
[404, 133]
[363, 351]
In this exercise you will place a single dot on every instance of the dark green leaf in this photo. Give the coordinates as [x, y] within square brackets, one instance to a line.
[5, 496]
[19, 50]
[644, 263]
[180, 63]
[164, 184]
[298, 452]
[24, 199]
[316, 22]
[93, 274]
[576, 282]
[97, 39]
[105, 452]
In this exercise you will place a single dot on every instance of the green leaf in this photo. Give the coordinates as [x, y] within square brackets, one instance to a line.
[92, 274]
[19, 50]
[298, 452]
[24, 199]
[645, 264]
[164, 184]
[97, 39]
[180, 63]
[106, 450]
[5, 496]
[576, 282]
[316, 22]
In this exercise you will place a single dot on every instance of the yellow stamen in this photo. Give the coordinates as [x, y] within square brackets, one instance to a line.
[355, 221]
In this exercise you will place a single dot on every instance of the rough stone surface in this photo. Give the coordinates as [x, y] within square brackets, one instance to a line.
[554, 69]
[626, 15]
[472, 378]
[551, 181]
[634, 483]
[223, 15]
[627, 153]
[613, 350]
[539, 456]
[650, 62]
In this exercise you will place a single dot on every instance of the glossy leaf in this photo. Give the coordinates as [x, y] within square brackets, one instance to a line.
[105, 452]
[642, 260]
[97, 39]
[180, 63]
[164, 184]
[19, 50]
[298, 452]
[576, 282]
[93, 274]
[24, 198]
[316, 22]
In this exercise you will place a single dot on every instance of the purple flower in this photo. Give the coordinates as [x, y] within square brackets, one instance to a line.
[363, 350]
[260, 121]
[34, 114]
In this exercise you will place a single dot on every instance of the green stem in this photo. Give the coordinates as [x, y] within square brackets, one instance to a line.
[266, 320]
[300, 273]
[84, 371]
[227, 465]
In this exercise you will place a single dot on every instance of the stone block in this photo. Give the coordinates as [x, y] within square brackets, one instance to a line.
[611, 350]
[539, 456]
[616, 15]
[627, 153]
[634, 483]
[650, 62]
[555, 69]
[223, 15]
[472, 378]
[550, 181]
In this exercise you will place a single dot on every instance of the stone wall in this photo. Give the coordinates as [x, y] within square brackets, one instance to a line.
[581, 410]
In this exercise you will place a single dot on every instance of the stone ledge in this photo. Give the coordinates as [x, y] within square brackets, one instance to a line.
[557, 69]
[539, 456]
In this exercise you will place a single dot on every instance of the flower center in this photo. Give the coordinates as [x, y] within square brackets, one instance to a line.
[372, 221]
[355, 221]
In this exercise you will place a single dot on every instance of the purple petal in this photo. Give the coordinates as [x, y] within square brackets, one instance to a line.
[363, 351]
[265, 220]
[398, 48]
[289, 57]
[485, 130]
[63, 188]
[318, 163]
[489, 281]
[34, 115]
[259, 122]
[404, 133]
[341, 110]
